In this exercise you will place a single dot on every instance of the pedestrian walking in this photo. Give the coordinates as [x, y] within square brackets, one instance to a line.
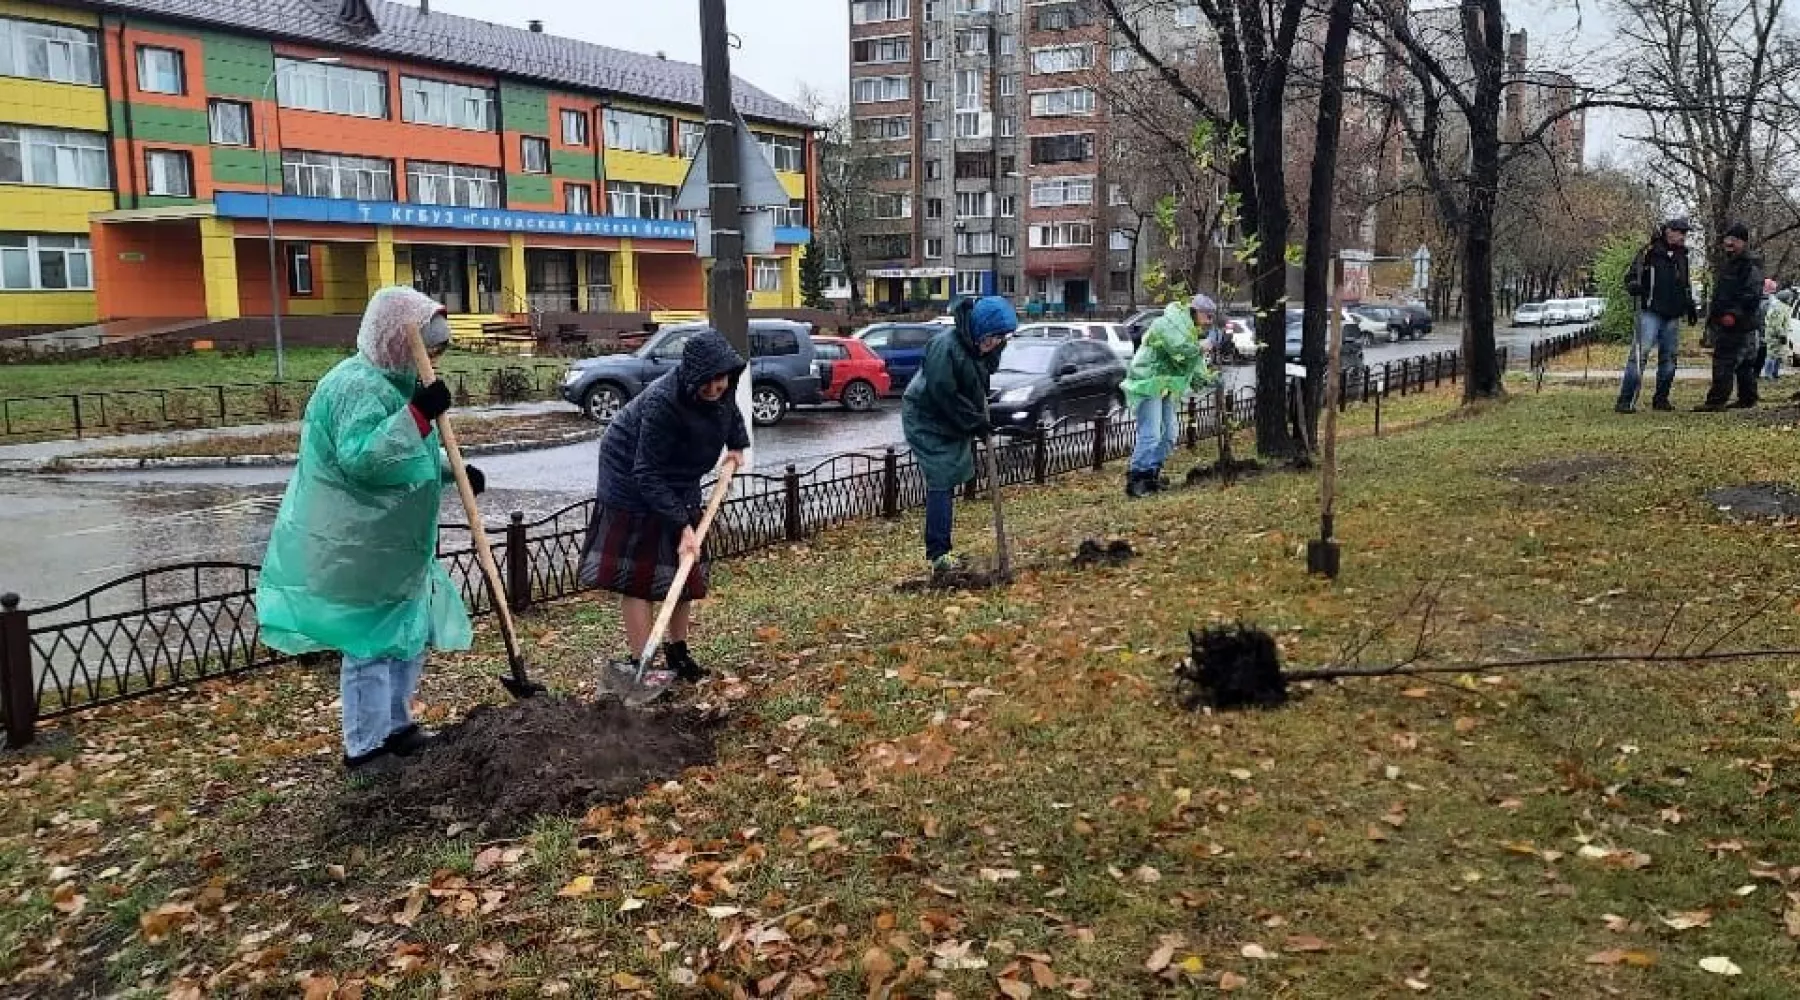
[1170, 364]
[1662, 295]
[945, 409]
[352, 560]
[647, 499]
[1778, 322]
[1733, 320]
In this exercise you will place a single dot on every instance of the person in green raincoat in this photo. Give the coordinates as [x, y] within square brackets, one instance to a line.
[1170, 363]
[946, 408]
[352, 560]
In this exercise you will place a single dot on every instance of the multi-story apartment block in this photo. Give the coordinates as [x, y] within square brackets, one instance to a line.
[149, 147]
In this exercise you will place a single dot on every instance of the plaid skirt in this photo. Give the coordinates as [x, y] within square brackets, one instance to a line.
[634, 554]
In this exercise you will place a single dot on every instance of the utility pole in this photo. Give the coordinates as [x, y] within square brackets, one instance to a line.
[727, 305]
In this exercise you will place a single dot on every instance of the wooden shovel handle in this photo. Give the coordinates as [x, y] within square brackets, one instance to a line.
[686, 567]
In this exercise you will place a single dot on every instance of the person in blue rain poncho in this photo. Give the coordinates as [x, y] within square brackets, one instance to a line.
[352, 561]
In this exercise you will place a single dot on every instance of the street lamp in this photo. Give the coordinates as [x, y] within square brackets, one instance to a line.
[269, 210]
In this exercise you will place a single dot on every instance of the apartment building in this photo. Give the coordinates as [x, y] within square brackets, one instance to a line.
[148, 147]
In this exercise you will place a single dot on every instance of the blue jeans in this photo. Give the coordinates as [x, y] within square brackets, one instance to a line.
[1156, 429]
[1663, 333]
[377, 695]
[1772, 367]
[940, 517]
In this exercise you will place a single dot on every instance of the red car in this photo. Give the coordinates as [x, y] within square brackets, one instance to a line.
[852, 374]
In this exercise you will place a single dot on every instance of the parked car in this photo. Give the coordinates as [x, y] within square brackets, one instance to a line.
[1560, 311]
[1112, 335]
[1137, 323]
[1530, 314]
[1595, 309]
[1350, 356]
[1420, 318]
[850, 374]
[1373, 323]
[1041, 381]
[784, 371]
[901, 346]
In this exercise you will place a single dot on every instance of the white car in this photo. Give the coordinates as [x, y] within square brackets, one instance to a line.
[1529, 314]
[1559, 311]
[1596, 309]
[1113, 335]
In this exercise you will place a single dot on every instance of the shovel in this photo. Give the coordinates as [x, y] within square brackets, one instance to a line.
[1002, 549]
[517, 682]
[641, 693]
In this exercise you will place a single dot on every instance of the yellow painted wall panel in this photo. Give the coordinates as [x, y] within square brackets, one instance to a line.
[27, 209]
[218, 264]
[56, 105]
[624, 278]
[47, 308]
[794, 184]
[624, 165]
[43, 12]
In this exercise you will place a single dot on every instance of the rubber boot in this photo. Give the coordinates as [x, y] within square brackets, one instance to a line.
[687, 669]
[1137, 485]
[1158, 481]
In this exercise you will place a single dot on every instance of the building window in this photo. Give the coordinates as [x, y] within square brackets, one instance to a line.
[453, 105]
[891, 206]
[299, 268]
[928, 90]
[928, 9]
[1054, 192]
[1115, 195]
[229, 123]
[888, 168]
[974, 166]
[974, 204]
[972, 244]
[160, 70]
[934, 131]
[534, 154]
[55, 52]
[934, 248]
[574, 127]
[169, 173]
[638, 133]
[578, 199]
[793, 215]
[340, 90]
[1009, 44]
[452, 184]
[969, 282]
[892, 49]
[1007, 127]
[689, 134]
[1121, 281]
[1062, 58]
[887, 246]
[1009, 206]
[1187, 16]
[971, 42]
[1062, 234]
[968, 89]
[1009, 85]
[784, 152]
[1009, 247]
[1009, 165]
[1075, 147]
[876, 89]
[934, 170]
[30, 263]
[1121, 239]
[1122, 59]
[931, 51]
[1057, 103]
[872, 11]
[327, 175]
[1062, 16]
[934, 208]
[888, 127]
[974, 124]
[640, 201]
[766, 272]
[1009, 284]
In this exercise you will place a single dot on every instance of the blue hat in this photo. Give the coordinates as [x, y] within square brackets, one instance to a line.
[993, 317]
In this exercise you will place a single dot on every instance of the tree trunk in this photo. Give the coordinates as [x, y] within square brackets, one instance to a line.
[1321, 204]
[1483, 33]
[1268, 286]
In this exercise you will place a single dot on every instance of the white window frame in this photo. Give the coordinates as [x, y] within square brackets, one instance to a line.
[880, 89]
[1073, 57]
[639, 132]
[1009, 247]
[1009, 44]
[974, 124]
[586, 191]
[637, 200]
[977, 42]
[1009, 206]
[1057, 192]
[1009, 85]
[891, 128]
[575, 127]
[425, 101]
[969, 282]
[332, 175]
[430, 182]
[333, 89]
[299, 266]
[928, 91]
[687, 137]
[239, 109]
[1058, 235]
[1187, 15]
[889, 205]
[977, 244]
[1009, 284]
[934, 248]
[930, 51]
[766, 274]
[1122, 59]
[31, 249]
[151, 76]
[169, 173]
[1120, 239]
[1115, 195]
[877, 11]
[63, 53]
[1092, 147]
[934, 131]
[785, 153]
[1063, 102]
[1007, 128]
[542, 145]
[974, 204]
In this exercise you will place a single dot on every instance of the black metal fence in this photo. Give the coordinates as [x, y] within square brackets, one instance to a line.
[170, 626]
[119, 411]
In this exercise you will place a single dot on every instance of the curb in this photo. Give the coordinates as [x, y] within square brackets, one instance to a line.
[77, 465]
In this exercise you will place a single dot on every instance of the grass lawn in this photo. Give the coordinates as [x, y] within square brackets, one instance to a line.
[207, 368]
[941, 795]
[1611, 357]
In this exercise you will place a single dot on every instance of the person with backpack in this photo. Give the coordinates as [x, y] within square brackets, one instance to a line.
[1662, 294]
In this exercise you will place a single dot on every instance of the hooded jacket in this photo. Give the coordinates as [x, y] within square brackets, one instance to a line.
[1737, 295]
[946, 404]
[663, 442]
[1659, 281]
[352, 560]
[1170, 362]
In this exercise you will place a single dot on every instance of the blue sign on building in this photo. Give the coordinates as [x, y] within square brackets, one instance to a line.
[288, 208]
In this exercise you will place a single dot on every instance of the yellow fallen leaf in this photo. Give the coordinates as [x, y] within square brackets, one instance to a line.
[1719, 965]
[1193, 965]
[627, 981]
[580, 885]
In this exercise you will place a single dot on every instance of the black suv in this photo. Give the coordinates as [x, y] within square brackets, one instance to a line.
[784, 371]
[1042, 381]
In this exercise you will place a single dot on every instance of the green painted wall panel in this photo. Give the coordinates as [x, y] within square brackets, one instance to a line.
[237, 165]
[163, 201]
[572, 164]
[524, 109]
[236, 66]
[527, 189]
[153, 123]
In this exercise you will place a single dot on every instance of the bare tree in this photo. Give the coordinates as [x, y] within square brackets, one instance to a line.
[844, 210]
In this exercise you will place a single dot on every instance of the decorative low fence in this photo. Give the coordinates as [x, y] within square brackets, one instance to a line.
[171, 626]
[119, 411]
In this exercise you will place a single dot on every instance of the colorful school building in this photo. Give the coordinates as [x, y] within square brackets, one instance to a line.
[146, 147]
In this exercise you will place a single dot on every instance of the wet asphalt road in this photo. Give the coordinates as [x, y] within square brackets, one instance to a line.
[61, 535]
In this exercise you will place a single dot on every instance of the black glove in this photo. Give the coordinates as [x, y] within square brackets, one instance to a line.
[477, 479]
[432, 401]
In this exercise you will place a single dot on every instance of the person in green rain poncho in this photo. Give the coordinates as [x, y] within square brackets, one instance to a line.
[352, 561]
[1170, 363]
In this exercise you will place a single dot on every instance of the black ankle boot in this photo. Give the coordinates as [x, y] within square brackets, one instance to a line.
[1136, 485]
[687, 670]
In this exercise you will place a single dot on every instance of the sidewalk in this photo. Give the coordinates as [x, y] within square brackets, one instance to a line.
[38, 456]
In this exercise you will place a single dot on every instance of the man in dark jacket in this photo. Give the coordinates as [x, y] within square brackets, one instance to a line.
[1663, 294]
[1734, 319]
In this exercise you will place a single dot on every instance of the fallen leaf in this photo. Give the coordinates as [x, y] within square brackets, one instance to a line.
[1719, 965]
[1241, 773]
[1377, 834]
[1147, 874]
[1305, 943]
[1464, 724]
[627, 981]
[1161, 957]
[488, 860]
[721, 912]
[1621, 956]
[1229, 981]
[999, 874]
[317, 987]
[630, 903]
[1042, 975]
[877, 964]
[580, 885]
[67, 901]
[1792, 920]
[1193, 965]
[1014, 989]
[1417, 985]
[1256, 951]
[1415, 693]
[1689, 921]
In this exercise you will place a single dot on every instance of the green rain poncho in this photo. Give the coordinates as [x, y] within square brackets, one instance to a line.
[352, 561]
[1170, 362]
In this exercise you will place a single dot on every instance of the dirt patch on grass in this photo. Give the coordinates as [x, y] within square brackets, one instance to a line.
[1756, 502]
[526, 430]
[1566, 471]
[1785, 415]
[501, 767]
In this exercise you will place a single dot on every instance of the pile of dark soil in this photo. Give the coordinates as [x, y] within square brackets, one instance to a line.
[1566, 471]
[1785, 415]
[1757, 502]
[1231, 667]
[1117, 552]
[504, 765]
[961, 579]
[1242, 468]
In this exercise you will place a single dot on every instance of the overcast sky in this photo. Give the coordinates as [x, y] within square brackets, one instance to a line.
[787, 43]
